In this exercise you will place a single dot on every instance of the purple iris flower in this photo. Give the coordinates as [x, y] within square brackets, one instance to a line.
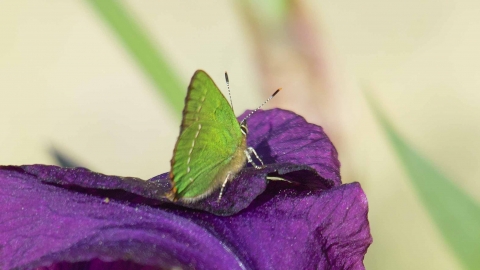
[302, 217]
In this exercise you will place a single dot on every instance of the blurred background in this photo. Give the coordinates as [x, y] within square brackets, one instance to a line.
[70, 80]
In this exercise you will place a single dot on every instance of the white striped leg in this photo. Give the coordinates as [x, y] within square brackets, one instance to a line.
[248, 153]
[223, 187]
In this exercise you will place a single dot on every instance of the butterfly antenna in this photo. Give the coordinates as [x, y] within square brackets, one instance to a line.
[265, 102]
[228, 87]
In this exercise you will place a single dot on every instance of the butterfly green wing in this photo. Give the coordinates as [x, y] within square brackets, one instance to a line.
[210, 145]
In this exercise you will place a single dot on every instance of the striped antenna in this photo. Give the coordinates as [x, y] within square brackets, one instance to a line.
[265, 102]
[228, 87]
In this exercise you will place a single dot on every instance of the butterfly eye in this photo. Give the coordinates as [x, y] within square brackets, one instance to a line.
[244, 129]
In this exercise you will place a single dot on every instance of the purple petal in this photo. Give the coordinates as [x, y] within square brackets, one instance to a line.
[281, 136]
[57, 217]
[284, 228]
[298, 229]
[42, 224]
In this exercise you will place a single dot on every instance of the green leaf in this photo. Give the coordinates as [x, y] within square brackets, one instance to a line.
[143, 50]
[456, 214]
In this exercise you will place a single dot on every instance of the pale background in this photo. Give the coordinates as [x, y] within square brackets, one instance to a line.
[65, 80]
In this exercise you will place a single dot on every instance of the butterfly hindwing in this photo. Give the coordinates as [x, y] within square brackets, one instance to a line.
[210, 141]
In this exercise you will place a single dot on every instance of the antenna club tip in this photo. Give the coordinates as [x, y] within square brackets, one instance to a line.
[276, 92]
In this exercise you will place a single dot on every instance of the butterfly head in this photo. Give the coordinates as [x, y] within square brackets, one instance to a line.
[244, 128]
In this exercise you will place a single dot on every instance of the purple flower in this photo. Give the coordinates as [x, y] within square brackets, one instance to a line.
[59, 218]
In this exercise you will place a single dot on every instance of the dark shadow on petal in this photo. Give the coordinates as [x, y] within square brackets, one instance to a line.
[97, 264]
[265, 152]
[84, 178]
[250, 183]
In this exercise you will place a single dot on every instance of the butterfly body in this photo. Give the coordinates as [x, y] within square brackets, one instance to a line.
[211, 146]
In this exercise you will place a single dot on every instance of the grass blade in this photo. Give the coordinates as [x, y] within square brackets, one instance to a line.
[63, 159]
[143, 50]
[453, 211]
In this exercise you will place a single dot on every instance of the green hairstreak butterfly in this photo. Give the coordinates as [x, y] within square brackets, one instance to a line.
[212, 145]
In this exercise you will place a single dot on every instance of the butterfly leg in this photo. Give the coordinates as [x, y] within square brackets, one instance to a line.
[223, 187]
[248, 153]
[277, 178]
